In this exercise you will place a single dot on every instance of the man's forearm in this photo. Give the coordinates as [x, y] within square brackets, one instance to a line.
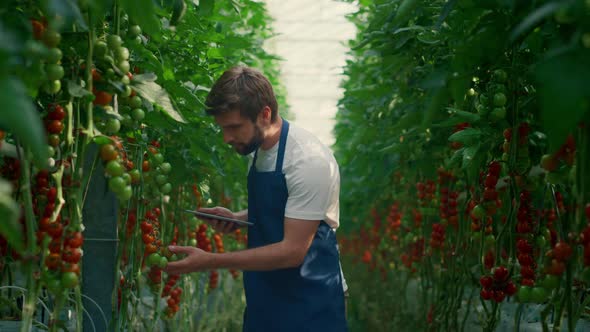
[270, 257]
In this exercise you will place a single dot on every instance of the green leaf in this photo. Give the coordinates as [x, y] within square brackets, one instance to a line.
[464, 116]
[20, 117]
[146, 77]
[206, 7]
[143, 13]
[9, 214]
[76, 90]
[563, 93]
[469, 154]
[466, 136]
[155, 94]
[534, 18]
[178, 11]
[404, 11]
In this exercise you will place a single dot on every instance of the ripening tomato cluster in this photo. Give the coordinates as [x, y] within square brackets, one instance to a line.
[54, 125]
[52, 68]
[394, 221]
[173, 294]
[426, 191]
[437, 237]
[448, 199]
[497, 285]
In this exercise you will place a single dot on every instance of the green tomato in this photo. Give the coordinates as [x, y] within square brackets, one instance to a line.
[127, 178]
[192, 242]
[124, 66]
[153, 259]
[541, 241]
[500, 76]
[158, 158]
[114, 168]
[471, 92]
[112, 126]
[114, 41]
[53, 55]
[137, 114]
[166, 168]
[135, 102]
[126, 194]
[135, 175]
[125, 80]
[69, 280]
[51, 38]
[161, 179]
[134, 31]
[117, 184]
[499, 99]
[163, 262]
[524, 294]
[52, 87]
[51, 151]
[100, 49]
[166, 188]
[479, 211]
[122, 53]
[498, 113]
[127, 91]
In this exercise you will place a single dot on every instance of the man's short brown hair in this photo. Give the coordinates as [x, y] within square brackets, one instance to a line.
[242, 89]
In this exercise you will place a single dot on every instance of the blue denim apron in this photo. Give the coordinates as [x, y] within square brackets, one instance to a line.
[305, 298]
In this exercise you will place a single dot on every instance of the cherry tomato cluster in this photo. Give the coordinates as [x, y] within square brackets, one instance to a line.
[437, 237]
[52, 68]
[394, 221]
[448, 199]
[416, 252]
[173, 294]
[156, 171]
[426, 191]
[497, 285]
[54, 125]
[119, 179]
[203, 241]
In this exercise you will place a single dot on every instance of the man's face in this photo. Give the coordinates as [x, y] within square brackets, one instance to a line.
[241, 133]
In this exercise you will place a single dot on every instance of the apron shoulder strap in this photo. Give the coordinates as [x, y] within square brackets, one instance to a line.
[282, 144]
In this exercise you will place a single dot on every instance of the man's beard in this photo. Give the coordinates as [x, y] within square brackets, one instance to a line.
[255, 143]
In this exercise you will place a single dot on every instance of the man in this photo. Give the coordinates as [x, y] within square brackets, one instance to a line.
[292, 276]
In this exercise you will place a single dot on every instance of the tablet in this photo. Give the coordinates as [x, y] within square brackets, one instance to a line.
[214, 216]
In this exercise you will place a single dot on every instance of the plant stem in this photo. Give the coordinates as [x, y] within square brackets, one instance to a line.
[29, 263]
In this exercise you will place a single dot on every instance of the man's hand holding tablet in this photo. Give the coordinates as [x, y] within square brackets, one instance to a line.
[221, 219]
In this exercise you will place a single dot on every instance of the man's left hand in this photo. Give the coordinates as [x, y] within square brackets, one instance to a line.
[195, 260]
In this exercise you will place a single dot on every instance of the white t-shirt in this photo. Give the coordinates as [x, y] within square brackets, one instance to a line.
[311, 173]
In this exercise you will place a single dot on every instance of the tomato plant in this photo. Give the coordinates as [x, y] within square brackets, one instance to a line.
[123, 89]
[465, 97]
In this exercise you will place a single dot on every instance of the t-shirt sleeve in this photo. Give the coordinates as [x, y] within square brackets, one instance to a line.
[308, 183]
